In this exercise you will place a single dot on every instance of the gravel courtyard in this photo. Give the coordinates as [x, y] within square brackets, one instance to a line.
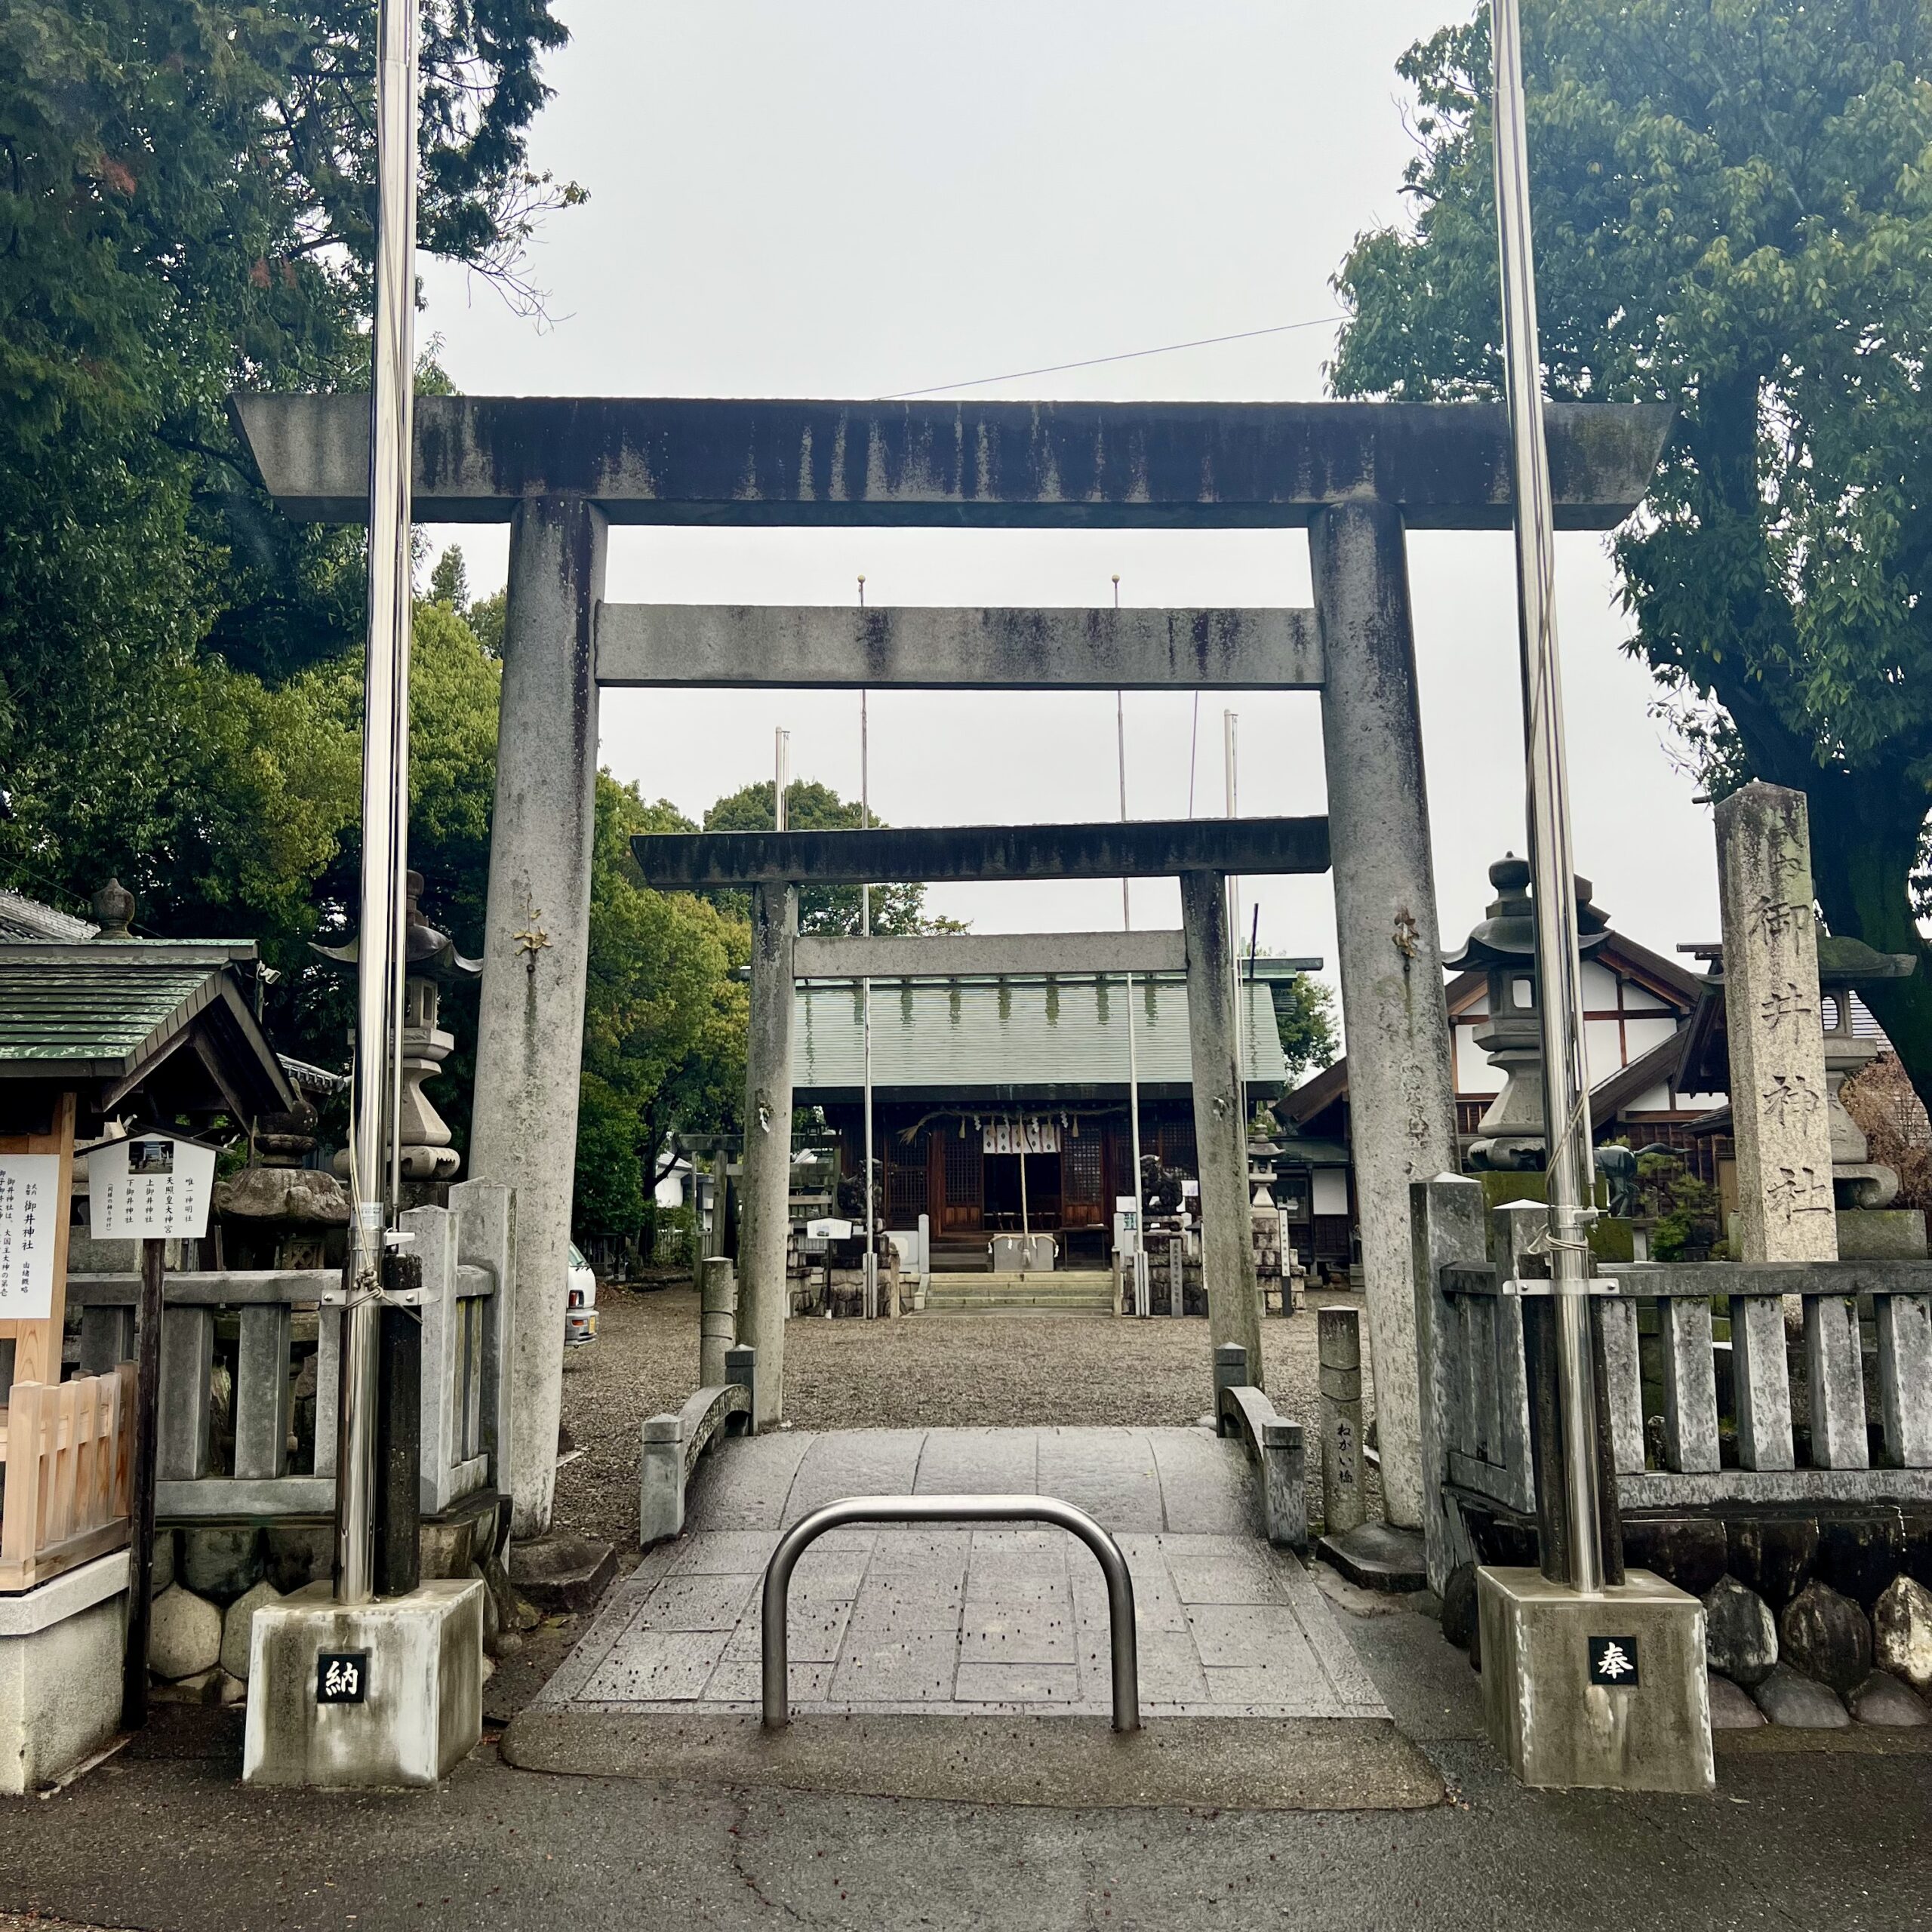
[923, 1370]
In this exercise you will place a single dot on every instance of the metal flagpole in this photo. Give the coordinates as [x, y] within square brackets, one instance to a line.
[385, 781]
[870, 1263]
[1143, 1300]
[1231, 762]
[1566, 1082]
[865, 999]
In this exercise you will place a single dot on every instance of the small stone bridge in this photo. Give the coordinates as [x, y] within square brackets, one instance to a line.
[963, 1621]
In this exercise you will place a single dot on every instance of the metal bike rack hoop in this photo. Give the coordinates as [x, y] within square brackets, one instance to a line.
[951, 1509]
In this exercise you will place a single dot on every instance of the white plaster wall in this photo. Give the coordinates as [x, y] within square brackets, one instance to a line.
[1641, 999]
[1599, 987]
[1602, 1048]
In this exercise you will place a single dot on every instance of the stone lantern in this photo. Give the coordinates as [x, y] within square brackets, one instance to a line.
[1859, 1181]
[430, 962]
[1513, 1136]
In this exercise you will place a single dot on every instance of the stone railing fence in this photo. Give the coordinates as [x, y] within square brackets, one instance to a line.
[251, 1369]
[1274, 1445]
[673, 1443]
[1694, 1418]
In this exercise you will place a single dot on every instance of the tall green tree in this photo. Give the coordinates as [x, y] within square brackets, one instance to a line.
[811, 807]
[1305, 1018]
[1733, 209]
[186, 191]
[664, 1019]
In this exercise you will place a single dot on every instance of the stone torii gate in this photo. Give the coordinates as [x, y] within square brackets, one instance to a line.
[1201, 852]
[559, 471]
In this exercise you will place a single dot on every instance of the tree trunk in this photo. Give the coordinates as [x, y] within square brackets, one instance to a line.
[1865, 845]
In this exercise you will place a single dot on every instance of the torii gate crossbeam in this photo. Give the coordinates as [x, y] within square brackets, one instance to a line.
[1357, 476]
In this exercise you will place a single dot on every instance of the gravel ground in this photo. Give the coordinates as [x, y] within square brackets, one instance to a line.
[923, 1371]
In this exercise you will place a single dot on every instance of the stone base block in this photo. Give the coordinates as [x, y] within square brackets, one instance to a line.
[61, 1647]
[1377, 1556]
[563, 1573]
[1606, 1691]
[412, 1669]
[1881, 1233]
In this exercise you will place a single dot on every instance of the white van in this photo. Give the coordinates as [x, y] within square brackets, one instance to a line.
[580, 1302]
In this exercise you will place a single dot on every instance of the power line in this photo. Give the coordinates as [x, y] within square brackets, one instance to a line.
[1127, 355]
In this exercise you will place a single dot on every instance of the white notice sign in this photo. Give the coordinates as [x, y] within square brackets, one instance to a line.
[149, 1187]
[1020, 1136]
[30, 1207]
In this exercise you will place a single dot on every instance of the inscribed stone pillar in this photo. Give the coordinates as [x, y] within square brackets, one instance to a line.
[1338, 1352]
[1401, 1095]
[1220, 1133]
[537, 933]
[1780, 1118]
[767, 1183]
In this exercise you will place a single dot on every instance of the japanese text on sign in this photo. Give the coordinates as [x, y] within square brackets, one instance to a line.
[30, 1209]
[342, 1677]
[151, 1187]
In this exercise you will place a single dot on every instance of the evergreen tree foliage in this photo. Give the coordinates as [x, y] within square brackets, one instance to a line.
[811, 807]
[1733, 210]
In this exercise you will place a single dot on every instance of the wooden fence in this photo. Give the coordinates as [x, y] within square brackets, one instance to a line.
[69, 1448]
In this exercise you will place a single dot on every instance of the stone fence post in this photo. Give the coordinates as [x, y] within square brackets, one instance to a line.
[718, 1320]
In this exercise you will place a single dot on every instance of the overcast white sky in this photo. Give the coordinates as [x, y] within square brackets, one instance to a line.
[862, 197]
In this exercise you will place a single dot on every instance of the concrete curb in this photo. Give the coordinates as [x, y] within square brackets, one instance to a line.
[1066, 1762]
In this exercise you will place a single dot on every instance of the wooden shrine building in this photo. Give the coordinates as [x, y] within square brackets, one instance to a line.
[966, 1072]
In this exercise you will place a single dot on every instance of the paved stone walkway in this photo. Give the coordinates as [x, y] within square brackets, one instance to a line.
[971, 1620]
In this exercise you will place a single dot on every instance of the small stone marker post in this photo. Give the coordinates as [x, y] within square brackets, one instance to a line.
[1338, 1340]
[1780, 1118]
[717, 1319]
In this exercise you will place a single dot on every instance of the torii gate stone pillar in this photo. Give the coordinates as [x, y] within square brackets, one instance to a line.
[1401, 1086]
[763, 1286]
[1221, 1127]
[536, 949]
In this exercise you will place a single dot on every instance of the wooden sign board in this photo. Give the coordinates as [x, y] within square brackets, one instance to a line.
[32, 1207]
[36, 1338]
[149, 1187]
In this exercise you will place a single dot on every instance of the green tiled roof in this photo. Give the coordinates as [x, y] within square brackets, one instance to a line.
[90, 1014]
[935, 1038]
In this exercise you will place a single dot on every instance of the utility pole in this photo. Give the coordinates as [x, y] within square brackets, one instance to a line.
[375, 1101]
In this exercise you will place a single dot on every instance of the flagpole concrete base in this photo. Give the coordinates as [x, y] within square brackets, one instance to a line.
[345, 1696]
[1606, 1691]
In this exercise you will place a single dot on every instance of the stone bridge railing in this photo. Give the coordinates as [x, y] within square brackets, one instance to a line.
[1694, 1418]
[1274, 1444]
[251, 1369]
[673, 1444]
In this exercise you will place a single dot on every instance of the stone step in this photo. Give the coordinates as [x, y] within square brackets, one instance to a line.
[1085, 1290]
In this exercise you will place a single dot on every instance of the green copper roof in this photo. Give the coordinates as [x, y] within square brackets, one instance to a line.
[960, 1039]
[90, 1015]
